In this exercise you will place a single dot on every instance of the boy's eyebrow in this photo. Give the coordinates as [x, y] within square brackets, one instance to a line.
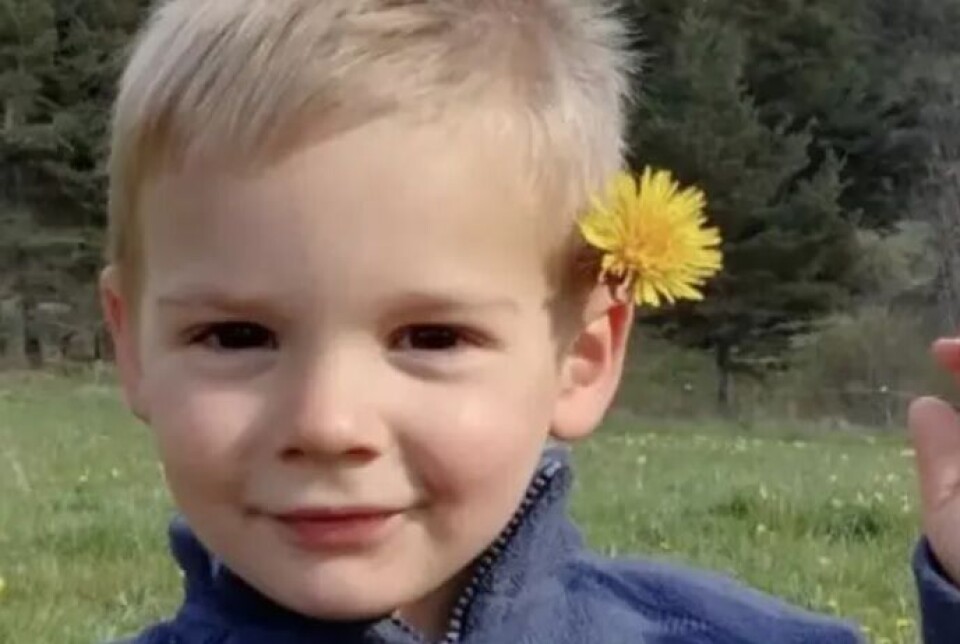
[211, 298]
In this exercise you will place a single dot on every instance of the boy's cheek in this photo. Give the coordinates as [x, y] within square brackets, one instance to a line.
[467, 441]
[204, 440]
[211, 421]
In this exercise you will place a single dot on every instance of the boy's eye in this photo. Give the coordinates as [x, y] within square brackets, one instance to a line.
[237, 336]
[428, 337]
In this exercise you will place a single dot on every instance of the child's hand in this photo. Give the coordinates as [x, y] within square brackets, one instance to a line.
[935, 430]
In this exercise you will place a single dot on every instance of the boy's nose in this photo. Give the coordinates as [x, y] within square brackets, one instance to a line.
[332, 416]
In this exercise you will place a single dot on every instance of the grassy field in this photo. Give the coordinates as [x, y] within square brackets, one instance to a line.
[825, 522]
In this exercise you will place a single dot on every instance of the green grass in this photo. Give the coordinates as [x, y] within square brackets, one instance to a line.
[826, 522]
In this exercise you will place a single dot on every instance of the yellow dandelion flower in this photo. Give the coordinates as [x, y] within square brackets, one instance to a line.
[654, 237]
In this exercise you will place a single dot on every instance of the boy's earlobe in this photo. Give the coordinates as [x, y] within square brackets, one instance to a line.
[123, 332]
[592, 368]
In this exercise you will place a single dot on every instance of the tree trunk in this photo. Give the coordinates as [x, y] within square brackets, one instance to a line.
[724, 378]
[948, 235]
[32, 345]
[941, 207]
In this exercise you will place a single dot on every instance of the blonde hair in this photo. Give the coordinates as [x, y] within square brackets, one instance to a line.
[242, 78]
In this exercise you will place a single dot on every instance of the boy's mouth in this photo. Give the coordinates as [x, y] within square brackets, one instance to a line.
[326, 529]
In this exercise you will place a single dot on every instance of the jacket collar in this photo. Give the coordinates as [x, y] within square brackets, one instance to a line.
[537, 540]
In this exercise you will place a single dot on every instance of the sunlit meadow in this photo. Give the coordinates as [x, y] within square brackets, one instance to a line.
[827, 522]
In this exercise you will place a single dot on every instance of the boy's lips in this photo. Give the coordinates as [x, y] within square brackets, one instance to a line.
[331, 529]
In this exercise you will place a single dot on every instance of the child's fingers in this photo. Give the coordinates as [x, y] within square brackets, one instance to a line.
[935, 432]
[947, 354]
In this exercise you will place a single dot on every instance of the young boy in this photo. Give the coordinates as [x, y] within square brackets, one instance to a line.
[346, 294]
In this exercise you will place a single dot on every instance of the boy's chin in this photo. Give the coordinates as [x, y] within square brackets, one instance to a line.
[343, 608]
[363, 597]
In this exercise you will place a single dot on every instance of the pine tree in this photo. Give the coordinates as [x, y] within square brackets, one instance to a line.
[92, 38]
[813, 63]
[922, 63]
[787, 243]
[27, 44]
[825, 65]
[59, 60]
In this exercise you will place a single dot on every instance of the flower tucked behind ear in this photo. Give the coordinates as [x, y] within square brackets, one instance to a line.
[653, 237]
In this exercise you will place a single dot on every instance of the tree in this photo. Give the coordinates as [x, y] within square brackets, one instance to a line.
[938, 199]
[60, 60]
[921, 60]
[819, 64]
[27, 44]
[826, 66]
[788, 246]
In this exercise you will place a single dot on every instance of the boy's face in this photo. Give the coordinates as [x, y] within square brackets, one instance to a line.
[349, 365]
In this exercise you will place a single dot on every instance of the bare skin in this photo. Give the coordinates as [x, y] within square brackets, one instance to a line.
[935, 432]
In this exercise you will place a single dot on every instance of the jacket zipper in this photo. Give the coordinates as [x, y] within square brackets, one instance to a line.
[454, 631]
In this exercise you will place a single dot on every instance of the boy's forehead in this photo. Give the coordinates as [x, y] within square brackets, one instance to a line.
[386, 192]
[399, 156]
[389, 160]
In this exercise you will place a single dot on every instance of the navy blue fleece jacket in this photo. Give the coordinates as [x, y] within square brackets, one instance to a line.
[538, 584]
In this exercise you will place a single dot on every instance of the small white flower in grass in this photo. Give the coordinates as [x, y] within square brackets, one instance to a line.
[908, 453]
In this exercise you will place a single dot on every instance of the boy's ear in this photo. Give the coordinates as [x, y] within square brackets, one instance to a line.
[591, 368]
[123, 330]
